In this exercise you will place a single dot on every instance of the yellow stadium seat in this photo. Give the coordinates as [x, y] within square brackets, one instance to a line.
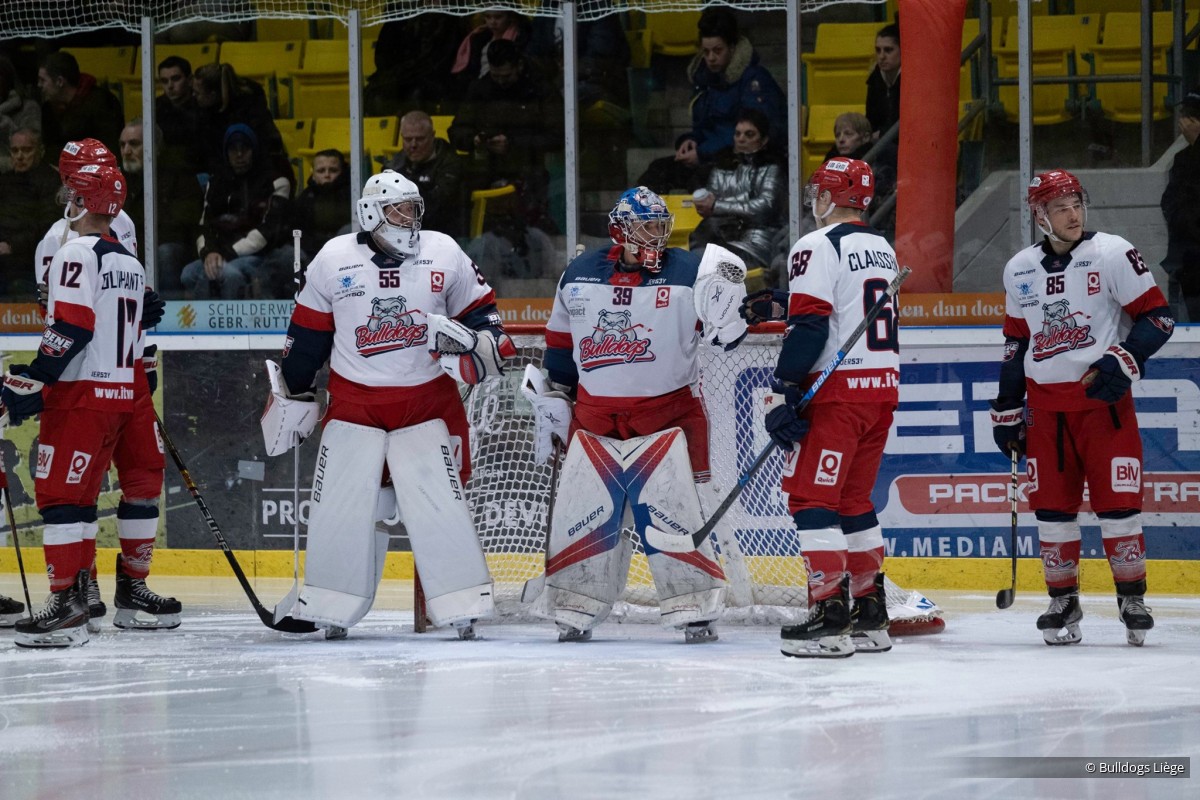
[687, 219]
[379, 133]
[1120, 53]
[479, 204]
[639, 48]
[1056, 42]
[1126, 29]
[269, 29]
[846, 38]
[195, 54]
[297, 135]
[837, 79]
[107, 64]
[322, 84]
[264, 62]
[1105, 6]
[673, 33]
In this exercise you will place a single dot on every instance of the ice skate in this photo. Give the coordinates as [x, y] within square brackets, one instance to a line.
[96, 607]
[700, 632]
[466, 629]
[869, 620]
[1136, 617]
[61, 623]
[1060, 623]
[825, 633]
[334, 633]
[568, 634]
[10, 611]
[133, 596]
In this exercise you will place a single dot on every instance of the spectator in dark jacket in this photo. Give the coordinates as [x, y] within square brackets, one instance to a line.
[17, 110]
[473, 59]
[29, 208]
[413, 58]
[226, 99]
[883, 84]
[437, 171]
[244, 220]
[1181, 208]
[75, 107]
[178, 116]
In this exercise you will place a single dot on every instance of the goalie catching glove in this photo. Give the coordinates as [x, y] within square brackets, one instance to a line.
[551, 411]
[719, 287]
[288, 419]
[467, 355]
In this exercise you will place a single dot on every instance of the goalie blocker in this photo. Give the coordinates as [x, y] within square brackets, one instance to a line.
[346, 552]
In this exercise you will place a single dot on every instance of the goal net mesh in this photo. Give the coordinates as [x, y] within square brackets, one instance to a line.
[756, 540]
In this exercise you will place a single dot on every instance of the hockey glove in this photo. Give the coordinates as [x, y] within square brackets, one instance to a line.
[150, 366]
[1008, 425]
[552, 413]
[288, 419]
[1108, 379]
[153, 309]
[21, 394]
[782, 421]
[768, 305]
[467, 355]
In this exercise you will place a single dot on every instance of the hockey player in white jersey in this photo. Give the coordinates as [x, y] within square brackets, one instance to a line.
[138, 456]
[1082, 316]
[836, 273]
[376, 305]
[622, 342]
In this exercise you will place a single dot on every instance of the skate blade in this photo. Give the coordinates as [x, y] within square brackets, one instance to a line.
[63, 637]
[575, 635]
[466, 633]
[1068, 635]
[335, 633]
[8, 620]
[127, 619]
[826, 647]
[1135, 638]
[871, 642]
[702, 636]
[94, 625]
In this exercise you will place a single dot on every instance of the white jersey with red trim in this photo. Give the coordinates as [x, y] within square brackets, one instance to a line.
[839, 272]
[1071, 308]
[95, 284]
[60, 233]
[376, 306]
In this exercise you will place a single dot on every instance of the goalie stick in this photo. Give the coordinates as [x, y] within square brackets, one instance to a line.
[1005, 597]
[285, 623]
[677, 543]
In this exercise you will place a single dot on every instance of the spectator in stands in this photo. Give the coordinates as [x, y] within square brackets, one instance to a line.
[177, 115]
[510, 249]
[602, 56]
[726, 77]
[75, 107]
[437, 171]
[30, 207]
[473, 59]
[225, 99]
[413, 58]
[17, 110]
[743, 205]
[853, 138]
[177, 215]
[244, 220]
[883, 84]
[510, 120]
[1181, 208]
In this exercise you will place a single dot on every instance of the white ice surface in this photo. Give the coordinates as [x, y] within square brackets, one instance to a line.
[225, 708]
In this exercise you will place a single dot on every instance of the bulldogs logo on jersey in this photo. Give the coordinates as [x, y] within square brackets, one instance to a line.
[613, 341]
[1060, 331]
[390, 327]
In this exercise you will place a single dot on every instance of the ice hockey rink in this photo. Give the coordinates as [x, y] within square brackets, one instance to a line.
[223, 707]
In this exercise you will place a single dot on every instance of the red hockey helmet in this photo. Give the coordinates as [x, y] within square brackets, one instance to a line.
[98, 188]
[850, 183]
[76, 155]
[1053, 184]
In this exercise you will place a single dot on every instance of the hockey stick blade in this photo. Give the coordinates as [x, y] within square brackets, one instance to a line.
[286, 624]
[682, 543]
[1005, 597]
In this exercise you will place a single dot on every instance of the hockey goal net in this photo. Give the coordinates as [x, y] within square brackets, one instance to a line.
[756, 540]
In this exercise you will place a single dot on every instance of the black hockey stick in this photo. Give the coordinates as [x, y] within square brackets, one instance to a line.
[12, 526]
[1005, 597]
[675, 543]
[287, 624]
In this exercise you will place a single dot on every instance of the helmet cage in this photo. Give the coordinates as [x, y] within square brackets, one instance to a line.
[391, 209]
[642, 224]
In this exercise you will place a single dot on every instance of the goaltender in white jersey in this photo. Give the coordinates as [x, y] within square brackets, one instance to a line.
[376, 305]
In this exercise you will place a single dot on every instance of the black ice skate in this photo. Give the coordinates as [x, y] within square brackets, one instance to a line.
[10, 611]
[568, 634]
[466, 629]
[61, 623]
[1060, 623]
[1131, 602]
[133, 596]
[96, 607]
[700, 632]
[825, 633]
[869, 620]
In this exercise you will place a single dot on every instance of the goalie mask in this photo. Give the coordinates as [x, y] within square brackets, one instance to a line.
[850, 183]
[641, 223]
[390, 209]
[1050, 186]
[95, 189]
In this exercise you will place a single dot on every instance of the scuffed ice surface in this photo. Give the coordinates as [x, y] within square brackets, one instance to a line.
[225, 708]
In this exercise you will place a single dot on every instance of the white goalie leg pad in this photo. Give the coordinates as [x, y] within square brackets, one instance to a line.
[433, 506]
[691, 586]
[343, 561]
[588, 559]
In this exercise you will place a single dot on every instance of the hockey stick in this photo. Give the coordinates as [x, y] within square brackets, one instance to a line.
[1005, 597]
[289, 600]
[676, 543]
[12, 526]
[286, 624]
[535, 586]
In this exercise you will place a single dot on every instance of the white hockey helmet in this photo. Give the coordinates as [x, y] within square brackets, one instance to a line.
[390, 209]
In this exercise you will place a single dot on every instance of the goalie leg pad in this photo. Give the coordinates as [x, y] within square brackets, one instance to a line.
[691, 585]
[343, 560]
[433, 506]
